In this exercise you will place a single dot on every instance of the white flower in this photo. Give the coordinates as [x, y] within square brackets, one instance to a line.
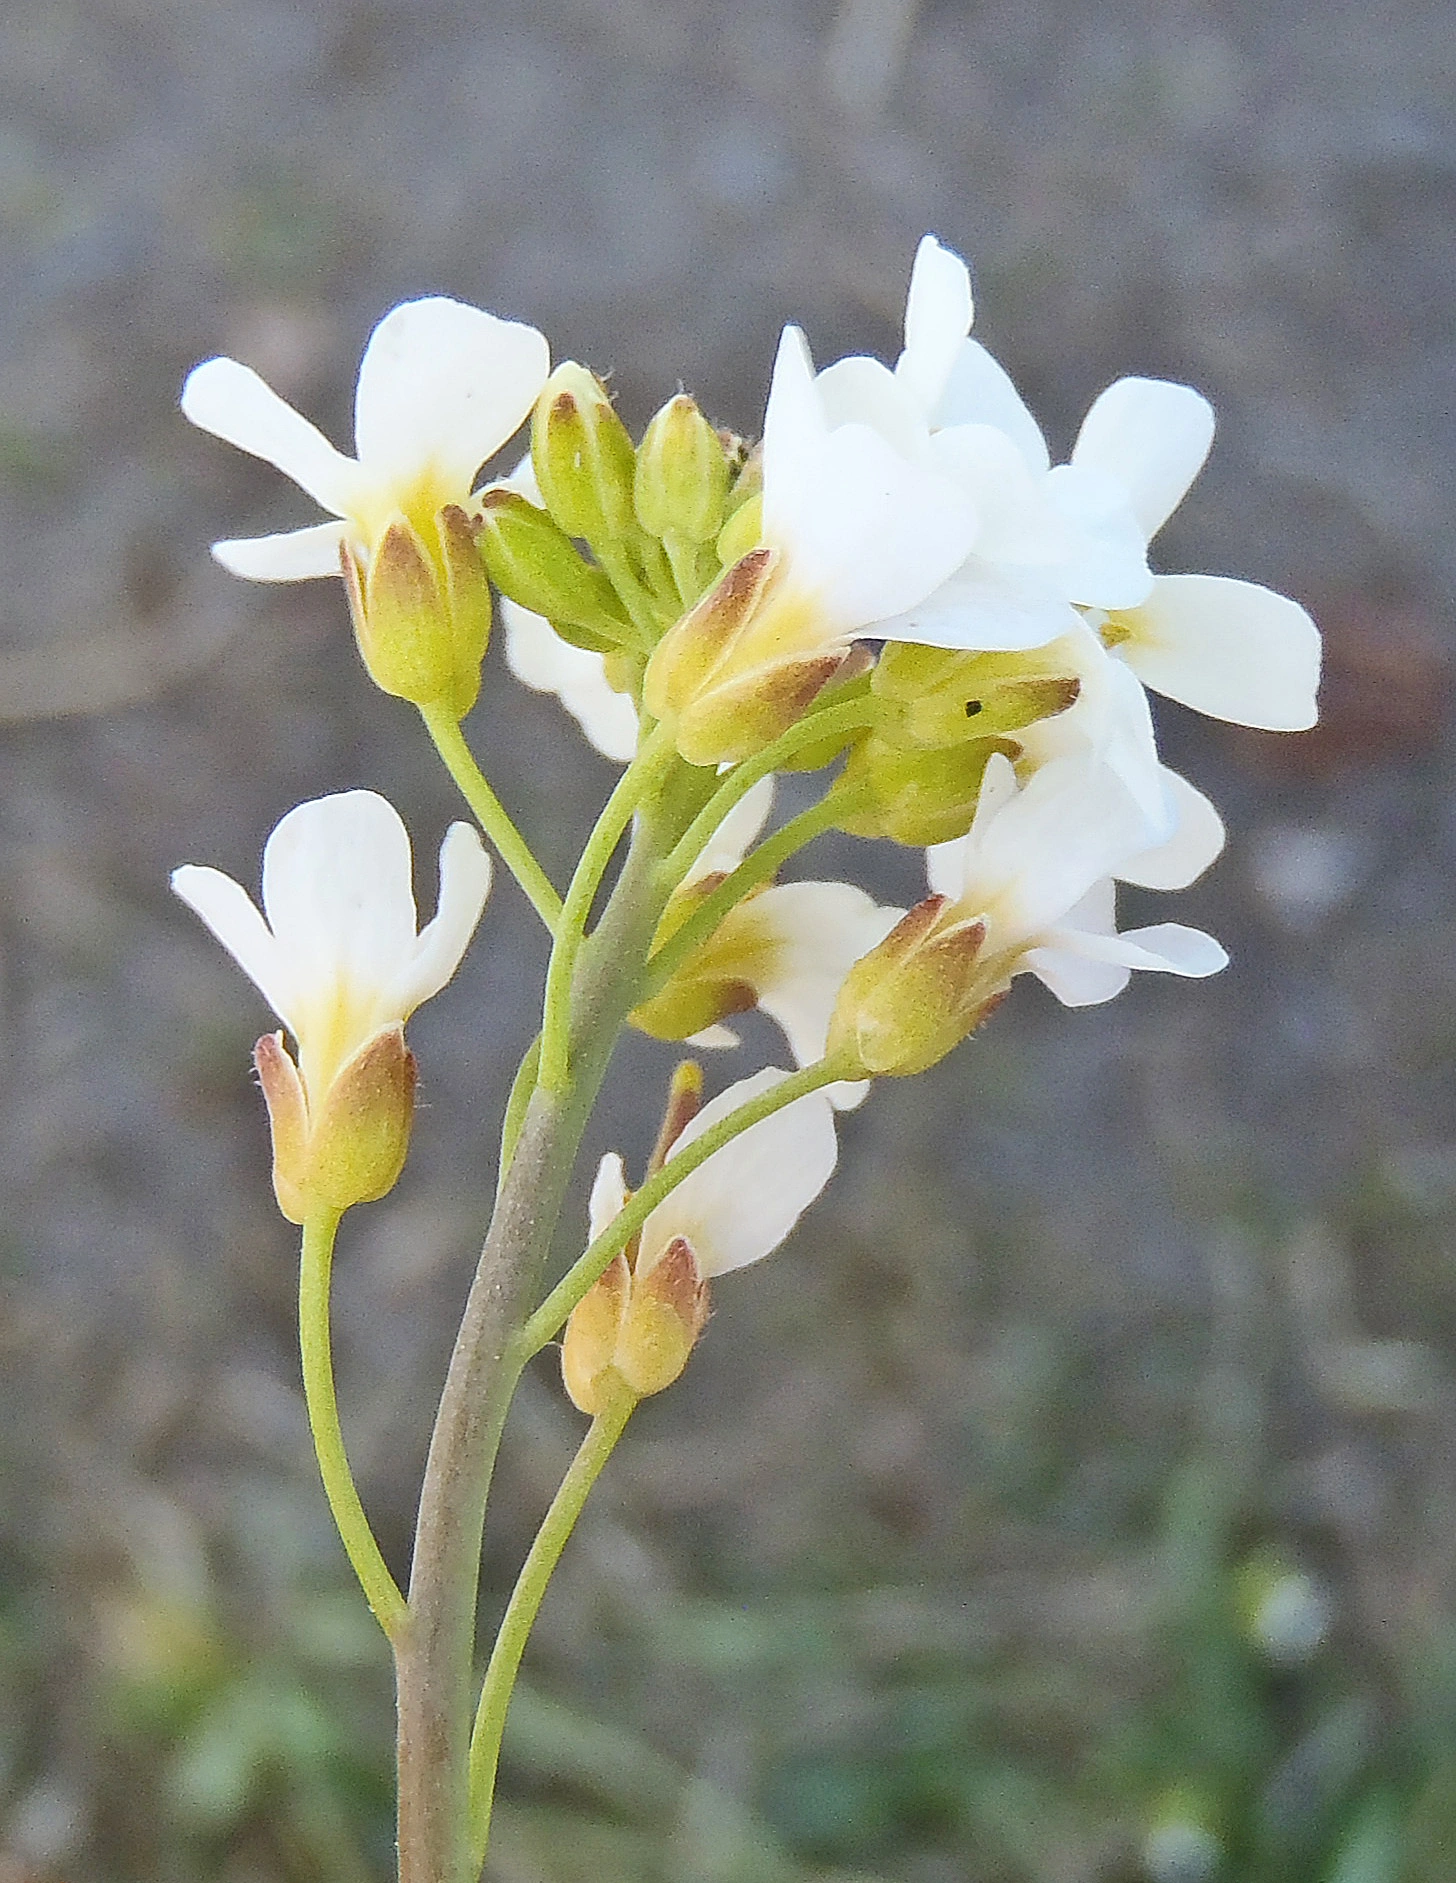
[338, 958]
[1036, 867]
[441, 388]
[740, 1203]
[865, 522]
[1078, 534]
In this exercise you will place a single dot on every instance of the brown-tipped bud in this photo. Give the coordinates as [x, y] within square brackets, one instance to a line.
[665, 1315]
[917, 797]
[422, 612]
[350, 1147]
[904, 1005]
[583, 457]
[682, 476]
[741, 666]
[534, 561]
[589, 1345]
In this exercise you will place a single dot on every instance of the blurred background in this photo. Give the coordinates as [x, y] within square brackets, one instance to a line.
[1074, 1501]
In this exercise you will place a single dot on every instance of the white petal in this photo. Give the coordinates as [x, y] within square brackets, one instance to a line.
[980, 392]
[868, 532]
[541, 660]
[445, 385]
[1166, 948]
[1230, 649]
[290, 556]
[229, 400]
[1076, 980]
[740, 1204]
[813, 933]
[938, 312]
[338, 894]
[1173, 949]
[1198, 837]
[859, 391]
[608, 1195]
[714, 1039]
[1017, 521]
[731, 841]
[1152, 436]
[987, 607]
[234, 919]
[1107, 558]
[465, 872]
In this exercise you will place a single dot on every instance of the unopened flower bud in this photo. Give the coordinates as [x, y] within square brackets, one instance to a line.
[583, 457]
[533, 561]
[634, 1330]
[916, 796]
[354, 1148]
[940, 696]
[905, 1004]
[682, 476]
[422, 611]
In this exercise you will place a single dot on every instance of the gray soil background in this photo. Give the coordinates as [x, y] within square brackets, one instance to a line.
[1211, 1214]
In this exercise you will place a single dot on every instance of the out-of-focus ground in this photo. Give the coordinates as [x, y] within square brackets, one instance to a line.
[930, 1567]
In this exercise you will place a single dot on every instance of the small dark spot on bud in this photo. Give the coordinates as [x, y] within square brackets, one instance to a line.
[972, 708]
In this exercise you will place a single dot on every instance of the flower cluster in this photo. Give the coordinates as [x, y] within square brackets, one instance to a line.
[897, 592]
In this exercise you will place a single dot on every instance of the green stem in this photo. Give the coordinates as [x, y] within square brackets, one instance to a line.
[610, 828]
[522, 1088]
[380, 1590]
[520, 1616]
[549, 1318]
[632, 593]
[756, 867]
[849, 716]
[491, 814]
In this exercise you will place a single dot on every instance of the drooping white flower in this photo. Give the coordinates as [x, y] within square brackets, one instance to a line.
[334, 950]
[740, 1203]
[635, 1328]
[1037, 869]
[441, 388]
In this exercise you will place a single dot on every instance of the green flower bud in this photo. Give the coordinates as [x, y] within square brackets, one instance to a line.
[682, 476]
[583, 457]
[938, 696]
[533, 561]
[917, 797]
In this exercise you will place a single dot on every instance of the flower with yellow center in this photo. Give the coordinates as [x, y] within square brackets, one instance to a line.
[441, 388]
[338, 959]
